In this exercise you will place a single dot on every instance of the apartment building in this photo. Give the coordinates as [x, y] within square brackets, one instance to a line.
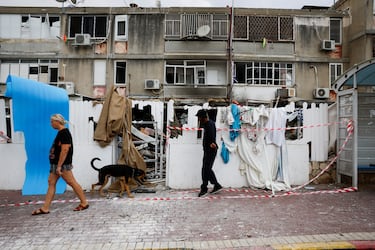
[360, 28]
[191, 55]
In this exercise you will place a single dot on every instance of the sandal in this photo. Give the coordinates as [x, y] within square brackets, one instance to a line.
[39, 211]
[80, 207]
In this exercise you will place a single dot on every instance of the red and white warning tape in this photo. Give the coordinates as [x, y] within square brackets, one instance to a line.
[255, 196]
[210, 197]
[4, 137]
[350, 130]
[169, 128]
[19, 204]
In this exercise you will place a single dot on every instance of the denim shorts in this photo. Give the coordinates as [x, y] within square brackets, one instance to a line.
[53, 167]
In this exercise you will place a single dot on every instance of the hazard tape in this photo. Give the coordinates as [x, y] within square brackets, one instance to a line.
[221, 197]
[169, 128]
[226, 190]
[350, 130]
[4, 137]
[210, 197]
[252, 130]
[41, 202]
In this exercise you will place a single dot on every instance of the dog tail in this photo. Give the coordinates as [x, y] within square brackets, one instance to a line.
[92, 163]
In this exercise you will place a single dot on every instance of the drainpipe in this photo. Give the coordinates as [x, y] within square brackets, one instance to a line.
[64, 68]
[230, 53]
[316, 75]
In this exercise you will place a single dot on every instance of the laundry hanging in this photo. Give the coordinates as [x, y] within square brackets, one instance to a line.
[236, 125]
[224, 153]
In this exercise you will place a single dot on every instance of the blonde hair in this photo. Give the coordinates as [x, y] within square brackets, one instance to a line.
[59, 118]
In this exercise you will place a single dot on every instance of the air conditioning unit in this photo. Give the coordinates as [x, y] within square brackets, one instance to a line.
[328, 45]
[152, 84]
[321, 93]
[68, 86]
[286, 92]
[82, 39]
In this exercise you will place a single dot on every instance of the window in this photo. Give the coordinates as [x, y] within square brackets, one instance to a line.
[335, 30]
[172, 26]
[187, 25]
[335, 70]
[263, 27]
[96, 26]
[120, 72]
[185, 72]
[264, 73]
[53, 73]
[220, 26]
[33, 70]
[29, 26]
[40, 70]
[240, 27]
[286, 28]
[99, 72]
[121, 28]
[192, 22]
[255, 28]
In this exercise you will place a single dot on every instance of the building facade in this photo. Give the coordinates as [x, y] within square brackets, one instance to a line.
[360, 27]
[191, 55]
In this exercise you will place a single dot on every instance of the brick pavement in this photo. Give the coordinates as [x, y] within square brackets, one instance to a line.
[177, 219]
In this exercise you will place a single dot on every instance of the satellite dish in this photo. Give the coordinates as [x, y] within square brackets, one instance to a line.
[73, 2]
[203, 30]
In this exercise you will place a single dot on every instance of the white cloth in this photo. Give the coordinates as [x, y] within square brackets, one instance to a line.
[276, 124]
[221, 123]
[259, 161]
[230, 118]
[170, 111]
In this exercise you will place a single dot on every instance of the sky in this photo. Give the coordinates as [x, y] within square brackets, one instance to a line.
[276, 4]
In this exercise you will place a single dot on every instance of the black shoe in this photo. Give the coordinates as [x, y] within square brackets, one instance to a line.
[202, 193]
[216, 189]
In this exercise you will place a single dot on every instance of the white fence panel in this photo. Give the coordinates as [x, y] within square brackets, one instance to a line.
[318, 133]
[82, 128]
[3, 125]
[80, 123]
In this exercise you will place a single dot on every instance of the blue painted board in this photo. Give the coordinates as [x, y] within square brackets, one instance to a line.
[33, 103]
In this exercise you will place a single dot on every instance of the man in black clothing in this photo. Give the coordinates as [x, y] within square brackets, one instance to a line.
[209, 153]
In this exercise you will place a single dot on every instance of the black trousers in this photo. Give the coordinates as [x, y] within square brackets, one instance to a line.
[208, 174]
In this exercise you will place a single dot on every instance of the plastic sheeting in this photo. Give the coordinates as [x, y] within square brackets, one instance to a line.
[33, 103]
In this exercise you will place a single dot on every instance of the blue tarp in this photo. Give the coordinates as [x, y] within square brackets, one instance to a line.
[33, 103]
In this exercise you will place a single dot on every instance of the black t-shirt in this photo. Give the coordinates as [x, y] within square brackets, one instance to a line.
[209, 135]
[62, 137]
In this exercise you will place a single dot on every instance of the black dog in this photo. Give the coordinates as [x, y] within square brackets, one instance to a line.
[116, 170]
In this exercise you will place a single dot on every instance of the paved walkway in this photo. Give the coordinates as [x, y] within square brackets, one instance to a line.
[320, 218]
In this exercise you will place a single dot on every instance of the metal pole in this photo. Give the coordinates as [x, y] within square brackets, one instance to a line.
[230, 52]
